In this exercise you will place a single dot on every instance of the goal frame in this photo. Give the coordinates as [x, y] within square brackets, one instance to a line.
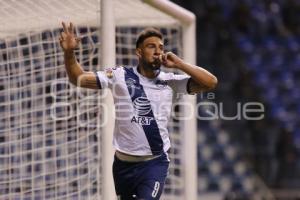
[189, 126]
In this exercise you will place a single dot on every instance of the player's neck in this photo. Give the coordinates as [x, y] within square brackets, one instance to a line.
[148, 73]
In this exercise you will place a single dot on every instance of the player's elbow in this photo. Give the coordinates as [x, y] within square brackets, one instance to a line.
[76, 82]
[213, 83]
[76, 79]
[73, 81]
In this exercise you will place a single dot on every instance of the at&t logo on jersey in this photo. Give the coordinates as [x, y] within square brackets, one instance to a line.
[142, 108]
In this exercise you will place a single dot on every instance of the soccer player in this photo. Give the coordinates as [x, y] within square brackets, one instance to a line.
[142, 96]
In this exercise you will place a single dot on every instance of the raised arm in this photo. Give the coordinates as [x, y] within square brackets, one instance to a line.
[201, 79]
[77, 76]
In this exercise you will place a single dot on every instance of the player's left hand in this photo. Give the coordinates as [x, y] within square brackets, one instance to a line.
[170, 60]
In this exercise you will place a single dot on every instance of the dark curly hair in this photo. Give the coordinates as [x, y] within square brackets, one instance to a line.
[146, 33]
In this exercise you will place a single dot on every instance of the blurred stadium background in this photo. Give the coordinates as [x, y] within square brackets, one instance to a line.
[252, 46]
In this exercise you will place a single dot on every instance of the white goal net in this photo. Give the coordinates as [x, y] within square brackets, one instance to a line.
[50, 131]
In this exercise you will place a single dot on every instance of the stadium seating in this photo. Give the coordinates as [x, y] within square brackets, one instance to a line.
[269, 49]
[221, 167]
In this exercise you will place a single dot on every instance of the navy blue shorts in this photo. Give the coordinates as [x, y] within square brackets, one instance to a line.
[140, 180]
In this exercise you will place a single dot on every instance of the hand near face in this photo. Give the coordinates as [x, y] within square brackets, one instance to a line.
[170, 60]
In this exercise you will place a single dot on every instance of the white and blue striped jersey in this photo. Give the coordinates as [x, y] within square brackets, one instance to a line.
[143, 108]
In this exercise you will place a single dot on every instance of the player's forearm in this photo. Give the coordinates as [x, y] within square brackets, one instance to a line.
[73, 68]
[199, 75]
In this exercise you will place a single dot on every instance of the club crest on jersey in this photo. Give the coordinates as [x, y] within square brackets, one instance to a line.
[109, 73]
[142, 108]
[130, 82]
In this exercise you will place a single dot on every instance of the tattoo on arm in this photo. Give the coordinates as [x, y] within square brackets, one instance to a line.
[88, 81]
[194, 87]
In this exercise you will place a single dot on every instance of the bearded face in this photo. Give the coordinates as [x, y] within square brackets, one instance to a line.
[150, 52]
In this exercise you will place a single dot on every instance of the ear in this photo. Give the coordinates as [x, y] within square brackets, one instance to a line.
[138, 52]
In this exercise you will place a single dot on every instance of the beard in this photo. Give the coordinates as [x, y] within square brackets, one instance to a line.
[154, 65]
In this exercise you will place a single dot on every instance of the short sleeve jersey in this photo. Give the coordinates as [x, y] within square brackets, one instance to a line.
[143, 108]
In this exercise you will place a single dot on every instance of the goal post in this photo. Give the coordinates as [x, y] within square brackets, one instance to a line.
[53, 142]
[108, 59]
